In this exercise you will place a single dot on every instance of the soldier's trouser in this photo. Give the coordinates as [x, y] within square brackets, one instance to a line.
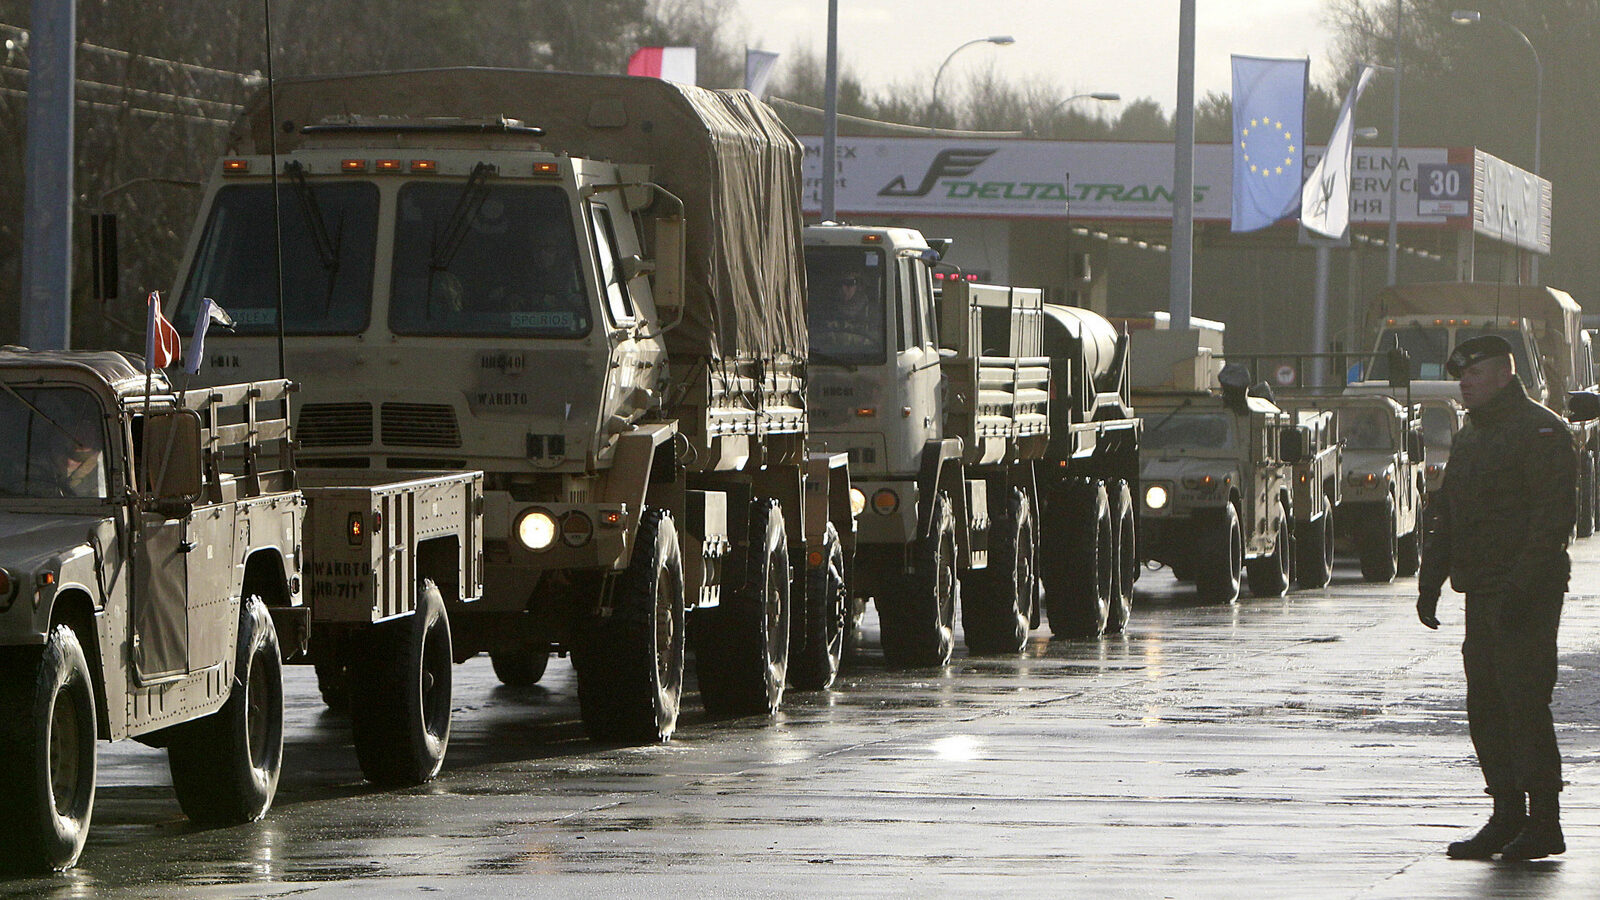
[1511, 672]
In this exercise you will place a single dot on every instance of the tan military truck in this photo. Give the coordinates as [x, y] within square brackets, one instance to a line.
[942, 404]
[154, 547]
[1217, 498]
[1318, 463]
[1441, 418]
[592, 289]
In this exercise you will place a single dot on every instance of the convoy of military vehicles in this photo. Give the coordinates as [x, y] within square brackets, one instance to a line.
[547, 364]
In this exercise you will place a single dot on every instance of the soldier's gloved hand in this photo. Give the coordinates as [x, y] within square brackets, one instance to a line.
[1428, 610]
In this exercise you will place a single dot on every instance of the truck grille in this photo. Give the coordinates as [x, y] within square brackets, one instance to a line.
[420, 425]
[335, 425]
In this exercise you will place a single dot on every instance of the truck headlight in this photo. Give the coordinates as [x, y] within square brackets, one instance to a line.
[1155, 497]
[858, 502]
[885, 502]
[536, 529]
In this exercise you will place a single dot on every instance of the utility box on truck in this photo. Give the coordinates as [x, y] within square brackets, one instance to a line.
[590, 288]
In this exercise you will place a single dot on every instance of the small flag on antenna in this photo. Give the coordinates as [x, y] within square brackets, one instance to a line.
[161, 343]
[209, 312]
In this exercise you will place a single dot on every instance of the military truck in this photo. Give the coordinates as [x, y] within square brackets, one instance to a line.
[591, 288]
[1217, 497]
[158, 564]
[1544, 326]
[1089, 477]
[1316, 479]
[1384, 481]
[1441, 418]
[942, 404]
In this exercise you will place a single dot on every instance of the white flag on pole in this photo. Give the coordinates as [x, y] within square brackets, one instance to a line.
[758, 70]
[1325, 198]
[209, 312]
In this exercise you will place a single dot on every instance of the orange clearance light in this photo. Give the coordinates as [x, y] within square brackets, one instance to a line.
[357, 530]
[611, 517]
[424, 165]
[814, 559]
[48, 578]
[1513, 323]
[1436, 322]
[545, 168]
[387, 165]
[1388, 321]
[866, 412]
[1466, 321]
[353, 165]
[872, 239]
[235, 166]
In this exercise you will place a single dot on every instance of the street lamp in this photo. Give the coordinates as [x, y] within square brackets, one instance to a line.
[1000, 39]
[1474, 17]
[1102, 96]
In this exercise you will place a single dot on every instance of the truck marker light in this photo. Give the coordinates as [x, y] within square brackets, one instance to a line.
[866, 412]
[356, 530]
[872, 239]
[885, 502]
[546, 168]
[611, 518]
[814, 559]
[424, 165]
[576, 529]
[858, 502]
[1155, 497]
[235, 166]
[536, 529]
[905, 412]
[387, 165]
[353, 165]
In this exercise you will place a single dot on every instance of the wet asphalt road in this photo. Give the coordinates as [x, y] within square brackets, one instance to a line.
[1313, 746]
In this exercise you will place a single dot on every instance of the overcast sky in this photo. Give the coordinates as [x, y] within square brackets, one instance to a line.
[1126, 46]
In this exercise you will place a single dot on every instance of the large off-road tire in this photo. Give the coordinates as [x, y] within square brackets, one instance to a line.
[741, 647]
[818, 627]
[225, 766]
[1124, 533]
[1586, 494]
[519, 667]
[1408, 558]
[1269, 575]
[1079, 577]
[630, 664]
[47, 753]
[400, 720]
[918, 623]
[997, 601]
[1377, 545]
[331, 661]
[1219, 554]
[1314, 550]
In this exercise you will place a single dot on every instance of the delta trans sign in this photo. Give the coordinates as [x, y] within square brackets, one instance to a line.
[1042, 179]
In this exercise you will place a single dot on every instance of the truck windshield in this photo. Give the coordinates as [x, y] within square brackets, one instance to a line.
[487, 259]
[57, 436]
[1438, 426]
[1367, 428]
[329, 235]
[1188, 430]
[845, 305]
[1428, 346]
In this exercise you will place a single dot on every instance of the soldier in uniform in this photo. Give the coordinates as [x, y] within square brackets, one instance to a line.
[1499, 529]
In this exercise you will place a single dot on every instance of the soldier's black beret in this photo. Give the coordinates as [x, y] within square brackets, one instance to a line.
[1472, 350]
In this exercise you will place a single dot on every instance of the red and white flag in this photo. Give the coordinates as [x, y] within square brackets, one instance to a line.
[666, 63]
[161, 344]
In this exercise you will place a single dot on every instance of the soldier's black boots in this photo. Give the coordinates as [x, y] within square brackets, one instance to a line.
[1510, 815]
[1542, 836]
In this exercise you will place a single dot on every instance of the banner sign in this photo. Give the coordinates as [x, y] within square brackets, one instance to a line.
[939, 176]
[1509, 204]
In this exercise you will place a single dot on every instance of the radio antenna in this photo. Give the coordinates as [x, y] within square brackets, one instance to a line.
[277, 211]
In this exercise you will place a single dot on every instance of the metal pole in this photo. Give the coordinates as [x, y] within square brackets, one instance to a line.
[1394, 156]
[1182, 286]
[47, 190]
[1538, 130]
[830, 114]
[1319, 316]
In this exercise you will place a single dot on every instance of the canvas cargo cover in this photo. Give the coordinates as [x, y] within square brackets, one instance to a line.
[1549, 308]
[723, 152]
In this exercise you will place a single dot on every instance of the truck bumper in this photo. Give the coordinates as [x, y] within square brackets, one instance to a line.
[881, 523]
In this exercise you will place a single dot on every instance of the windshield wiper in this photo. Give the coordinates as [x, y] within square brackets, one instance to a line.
[447, 242]
[328, 248]
[1168, 417]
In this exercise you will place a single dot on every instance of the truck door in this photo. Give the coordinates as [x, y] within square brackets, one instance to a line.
[918, 358]
[160, 613]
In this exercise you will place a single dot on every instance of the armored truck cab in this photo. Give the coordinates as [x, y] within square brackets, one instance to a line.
[599, 303]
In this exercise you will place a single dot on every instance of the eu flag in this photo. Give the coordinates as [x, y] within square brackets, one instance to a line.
[1269, 103]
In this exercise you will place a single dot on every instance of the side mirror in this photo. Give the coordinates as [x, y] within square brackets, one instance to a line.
[171, 447]
[1414, 446]
[940, 246]
[1293, 441]
[1399, 368]
[667, 289]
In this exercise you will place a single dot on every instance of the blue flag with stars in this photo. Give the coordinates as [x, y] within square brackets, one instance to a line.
[1269, 105]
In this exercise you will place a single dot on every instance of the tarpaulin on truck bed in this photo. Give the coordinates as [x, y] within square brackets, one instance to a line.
[724, 153]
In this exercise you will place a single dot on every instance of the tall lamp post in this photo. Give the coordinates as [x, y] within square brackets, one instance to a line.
[1102, 96]
[999, 39]
[1474, 17]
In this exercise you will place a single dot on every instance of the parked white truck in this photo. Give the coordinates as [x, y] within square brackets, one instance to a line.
[591, 288]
